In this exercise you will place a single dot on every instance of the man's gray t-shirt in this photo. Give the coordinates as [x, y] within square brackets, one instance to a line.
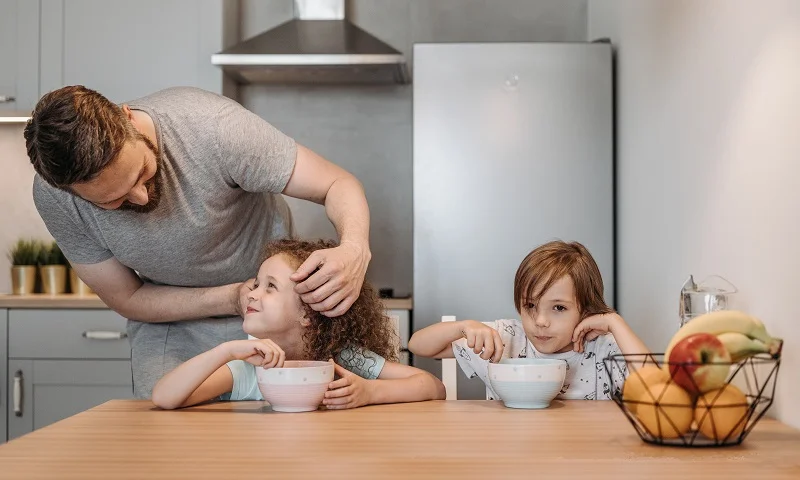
[222, 170]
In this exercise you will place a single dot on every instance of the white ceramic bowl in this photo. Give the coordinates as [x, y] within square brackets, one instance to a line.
[297, 387]
[527, 382]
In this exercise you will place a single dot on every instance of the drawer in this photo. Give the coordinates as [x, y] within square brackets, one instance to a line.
[70, 333]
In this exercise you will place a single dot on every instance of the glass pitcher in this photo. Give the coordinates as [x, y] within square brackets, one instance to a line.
[712, 294]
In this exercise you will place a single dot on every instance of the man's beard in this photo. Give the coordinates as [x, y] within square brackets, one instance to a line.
[153, 185]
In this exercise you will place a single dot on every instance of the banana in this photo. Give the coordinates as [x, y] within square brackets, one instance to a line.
[724, 321]
[741, 346]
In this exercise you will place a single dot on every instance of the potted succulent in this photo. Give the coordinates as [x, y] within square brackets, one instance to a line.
[76, 285]
[53, 268]
[24, 256]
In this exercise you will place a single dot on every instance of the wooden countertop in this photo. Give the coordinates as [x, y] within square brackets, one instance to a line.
[443, 439]
[93, 301]
[42, 300]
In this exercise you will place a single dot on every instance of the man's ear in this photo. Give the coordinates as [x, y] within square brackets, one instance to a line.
[127, 111]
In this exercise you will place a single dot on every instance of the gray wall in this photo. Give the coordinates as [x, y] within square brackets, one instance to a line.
[367, 130]
[18, 215]
[708, 109]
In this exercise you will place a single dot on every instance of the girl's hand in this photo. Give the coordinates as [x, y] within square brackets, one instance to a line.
[483, 340]
[261, 353]
[349, 391]
[592, 327]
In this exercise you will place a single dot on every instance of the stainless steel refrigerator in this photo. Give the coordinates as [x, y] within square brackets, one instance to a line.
[513, 147]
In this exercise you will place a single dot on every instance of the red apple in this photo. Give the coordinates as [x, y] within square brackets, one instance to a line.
[692, 363]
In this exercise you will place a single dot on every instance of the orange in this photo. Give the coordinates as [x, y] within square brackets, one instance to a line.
[721, 414]
[639, 381]
[668, 412]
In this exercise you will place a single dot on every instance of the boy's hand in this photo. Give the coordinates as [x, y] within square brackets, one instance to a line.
[261, 353]
[349, 391]
[592, 327]
[483, 340]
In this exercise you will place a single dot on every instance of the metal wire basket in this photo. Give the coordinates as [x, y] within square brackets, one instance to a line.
[662, 415]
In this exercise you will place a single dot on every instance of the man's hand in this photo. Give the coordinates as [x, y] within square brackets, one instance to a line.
[239, 290]
[332, 278]
[349, 391]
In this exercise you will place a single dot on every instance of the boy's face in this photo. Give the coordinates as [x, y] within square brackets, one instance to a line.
[272, 308]
[550, 324]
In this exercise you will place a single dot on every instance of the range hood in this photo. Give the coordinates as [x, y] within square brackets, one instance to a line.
[318, 46]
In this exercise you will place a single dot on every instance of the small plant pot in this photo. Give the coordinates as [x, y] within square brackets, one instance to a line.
[54, 279]
[77, 286]
[23, 279]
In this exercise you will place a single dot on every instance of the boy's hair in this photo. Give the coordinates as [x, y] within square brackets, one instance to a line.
[550, 262]
[364, 325]
[74, 133]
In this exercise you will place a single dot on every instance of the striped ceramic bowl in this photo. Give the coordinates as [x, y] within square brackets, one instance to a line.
[527, 382]
[297, 387]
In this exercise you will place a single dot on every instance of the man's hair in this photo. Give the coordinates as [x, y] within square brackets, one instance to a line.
[364, 325]
[73, 134]
[552, 261]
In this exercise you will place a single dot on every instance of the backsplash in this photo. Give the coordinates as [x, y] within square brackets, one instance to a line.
[368, 130]
[18, 215]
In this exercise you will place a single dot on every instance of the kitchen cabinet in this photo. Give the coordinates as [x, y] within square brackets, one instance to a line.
[51, 390]
[3, 368]
[61, 355]
[126, 49]
[62, 362]
[402, 322]
[19, 55]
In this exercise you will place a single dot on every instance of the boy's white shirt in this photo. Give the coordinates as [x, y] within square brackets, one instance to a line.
[586, 377]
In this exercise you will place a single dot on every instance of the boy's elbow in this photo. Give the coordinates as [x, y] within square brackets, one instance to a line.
[412, 346]
[415, 347]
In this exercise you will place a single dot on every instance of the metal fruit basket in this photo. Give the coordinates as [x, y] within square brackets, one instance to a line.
[714, 423]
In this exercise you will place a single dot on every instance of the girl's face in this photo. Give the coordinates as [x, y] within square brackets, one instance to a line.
[550, 324]
[272, 308]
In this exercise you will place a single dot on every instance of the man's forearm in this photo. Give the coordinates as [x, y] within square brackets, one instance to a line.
[346, 207]
[161, 303]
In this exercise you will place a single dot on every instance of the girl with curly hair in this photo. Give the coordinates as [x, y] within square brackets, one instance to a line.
[362, 343]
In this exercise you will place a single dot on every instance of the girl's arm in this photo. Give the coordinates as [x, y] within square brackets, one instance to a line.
[435, 341]
[197, 380]
[402, 383]
[396, 383]
[207, 376]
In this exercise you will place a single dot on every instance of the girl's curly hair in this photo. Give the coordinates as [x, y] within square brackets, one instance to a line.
[364, 325]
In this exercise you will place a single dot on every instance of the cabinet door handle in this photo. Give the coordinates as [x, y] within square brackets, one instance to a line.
[18, 393]
[7, 99]
[102, 335]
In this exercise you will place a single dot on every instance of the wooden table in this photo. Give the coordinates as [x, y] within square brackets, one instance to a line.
[467, 440]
